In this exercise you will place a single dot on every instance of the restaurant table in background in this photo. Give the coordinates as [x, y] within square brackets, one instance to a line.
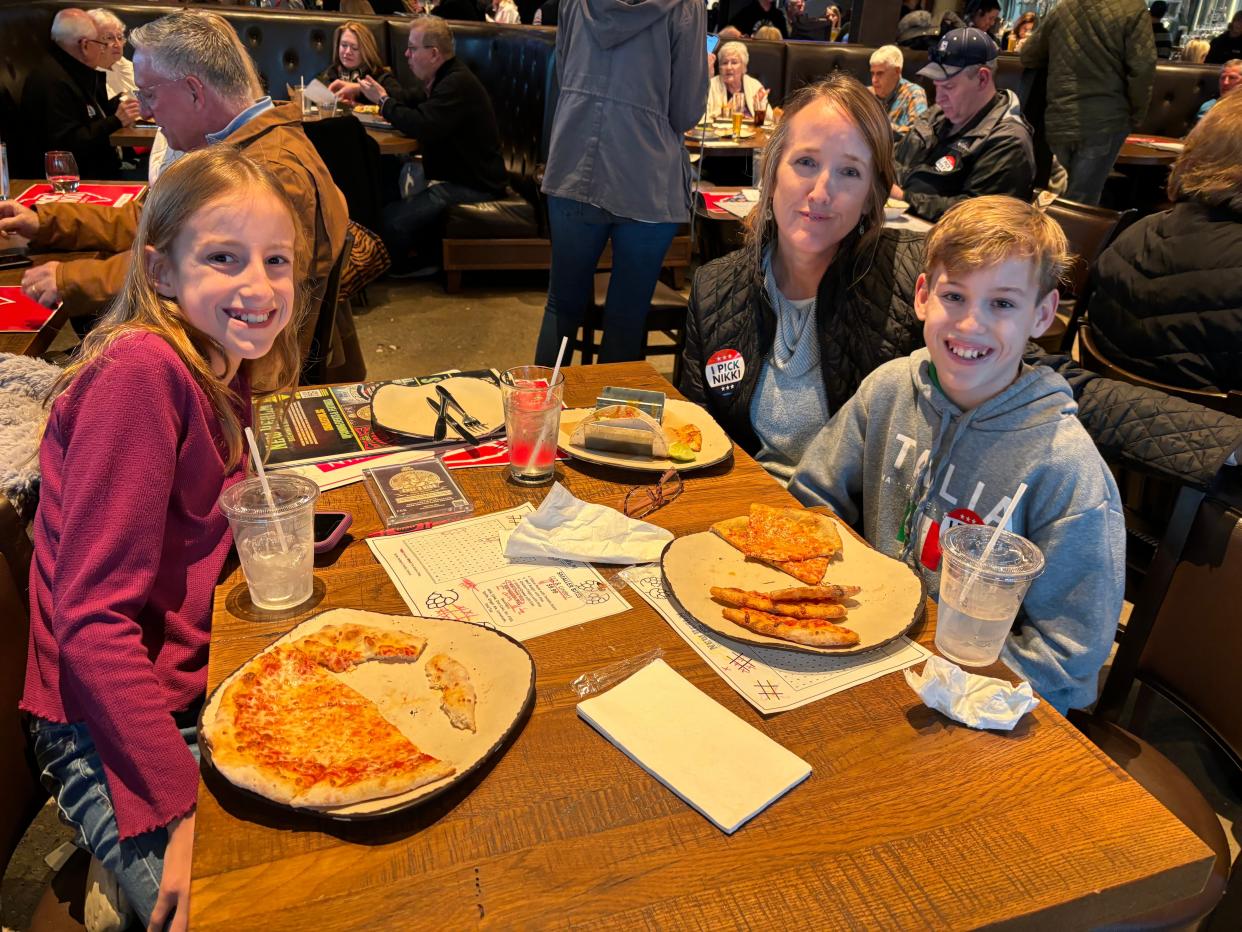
[1149, 150]
[390, 141]
[907, 820]
[731, 147]
[27, 343]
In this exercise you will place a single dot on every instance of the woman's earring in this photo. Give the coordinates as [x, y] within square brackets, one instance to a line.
[862, 226]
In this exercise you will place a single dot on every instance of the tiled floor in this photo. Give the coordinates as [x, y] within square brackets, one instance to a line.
[414, 327]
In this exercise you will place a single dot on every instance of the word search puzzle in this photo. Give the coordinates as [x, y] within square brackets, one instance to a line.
[459, 572]
[772, 680]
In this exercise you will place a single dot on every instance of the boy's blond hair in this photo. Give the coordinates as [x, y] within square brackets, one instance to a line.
[987, 230]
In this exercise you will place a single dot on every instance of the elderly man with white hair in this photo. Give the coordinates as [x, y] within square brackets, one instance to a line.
[65, 102]
[732, 60]
[904, 100]
[118, 70]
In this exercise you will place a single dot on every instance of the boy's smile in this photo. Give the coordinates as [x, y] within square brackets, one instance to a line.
[976, 324]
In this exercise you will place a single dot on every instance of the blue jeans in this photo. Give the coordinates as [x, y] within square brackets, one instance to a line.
[73, 773]
[415, 221]
[1088, 162]
[579, 234]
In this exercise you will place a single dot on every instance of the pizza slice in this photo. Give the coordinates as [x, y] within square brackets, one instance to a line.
[689, 434]
[342, 647]
[289, 730]
[747, 598]
[736, 532]
[825, 592]
[453, 680]
[808, 571]
[792, 533]
[813, 632]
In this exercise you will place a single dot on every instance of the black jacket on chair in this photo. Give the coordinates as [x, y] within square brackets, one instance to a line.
[456, 129]
[1167, 303]
[863, 322]
[65, 105]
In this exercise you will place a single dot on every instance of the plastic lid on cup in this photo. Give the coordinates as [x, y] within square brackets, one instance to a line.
[1013, 558]
[245, 500]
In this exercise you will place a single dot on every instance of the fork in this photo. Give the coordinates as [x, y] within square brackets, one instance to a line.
[468, 420]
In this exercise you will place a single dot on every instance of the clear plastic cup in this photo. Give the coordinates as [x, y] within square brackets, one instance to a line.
[979, 600]
[532, 420]
[276, 546]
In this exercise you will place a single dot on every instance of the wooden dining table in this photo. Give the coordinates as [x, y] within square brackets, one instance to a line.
[729, 146]
[1138, 149]
[908, 820]
[390, 141]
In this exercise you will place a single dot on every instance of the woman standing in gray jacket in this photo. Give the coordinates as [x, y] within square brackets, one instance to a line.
[633, 79]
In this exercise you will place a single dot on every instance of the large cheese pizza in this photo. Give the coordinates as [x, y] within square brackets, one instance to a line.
[288, 729]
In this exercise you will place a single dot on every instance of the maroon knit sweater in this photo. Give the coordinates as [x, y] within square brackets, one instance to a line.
[129, 543]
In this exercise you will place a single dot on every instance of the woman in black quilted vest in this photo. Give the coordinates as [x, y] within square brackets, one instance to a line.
[1168, 299]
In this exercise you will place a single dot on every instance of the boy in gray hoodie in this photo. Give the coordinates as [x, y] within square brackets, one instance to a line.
[945, 436]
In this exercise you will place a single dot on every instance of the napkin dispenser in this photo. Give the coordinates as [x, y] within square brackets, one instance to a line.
[608, 438]
[650, 403]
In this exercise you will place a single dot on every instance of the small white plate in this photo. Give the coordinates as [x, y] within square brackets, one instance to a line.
[716, 443]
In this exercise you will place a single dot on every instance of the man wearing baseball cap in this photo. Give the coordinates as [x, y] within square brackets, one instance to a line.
[973, 141]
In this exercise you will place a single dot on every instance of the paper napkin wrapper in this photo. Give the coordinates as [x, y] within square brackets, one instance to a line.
[567, 528]
[977, 701]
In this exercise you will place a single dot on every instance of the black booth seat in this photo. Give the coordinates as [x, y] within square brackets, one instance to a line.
[510, 217]
[1178, 92]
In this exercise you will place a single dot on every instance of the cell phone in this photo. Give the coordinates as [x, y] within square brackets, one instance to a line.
[330, 527]
[712, 42]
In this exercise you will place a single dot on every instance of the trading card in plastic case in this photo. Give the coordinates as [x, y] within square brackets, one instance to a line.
[417, 492]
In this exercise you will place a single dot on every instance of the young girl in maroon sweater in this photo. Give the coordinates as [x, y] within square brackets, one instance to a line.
[144, 433]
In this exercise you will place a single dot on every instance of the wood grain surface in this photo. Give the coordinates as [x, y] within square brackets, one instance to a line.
[908, 821]
[1137, 153]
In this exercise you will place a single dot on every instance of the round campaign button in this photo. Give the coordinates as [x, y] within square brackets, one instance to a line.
[946, 163]
[724, 370]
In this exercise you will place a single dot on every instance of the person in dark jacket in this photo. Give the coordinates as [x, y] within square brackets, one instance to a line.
[1159, 33]
[355, 56]
[548, 14]
[633, 79]
[973, 141]
[65, 102]
[468, 10]
[864, 316]
[459, 138]
[1228, 45]
[760, 13]
[1167, 304]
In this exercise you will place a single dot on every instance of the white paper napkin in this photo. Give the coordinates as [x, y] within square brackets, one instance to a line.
[567, 528]
[726, 769]
[977, 701]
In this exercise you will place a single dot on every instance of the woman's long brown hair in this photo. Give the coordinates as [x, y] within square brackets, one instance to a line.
[372, 62]
[190, 184]
[844, 92]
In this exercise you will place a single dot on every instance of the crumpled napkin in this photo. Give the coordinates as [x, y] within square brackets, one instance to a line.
[977, 701]
[567, 528]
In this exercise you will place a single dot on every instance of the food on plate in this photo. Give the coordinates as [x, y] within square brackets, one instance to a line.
[748, 598]
[824, 592]
[681, 453]
[813, 632]
[453, 680]
[366, 108]
[341, 647]
[795, 541]
[621, 429]
[289, 730]
[688, 434]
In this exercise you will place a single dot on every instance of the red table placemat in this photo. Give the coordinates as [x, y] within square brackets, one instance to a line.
[20, 314]
[104, 195]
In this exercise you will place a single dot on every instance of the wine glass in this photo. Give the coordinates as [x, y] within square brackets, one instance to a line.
[62, 171]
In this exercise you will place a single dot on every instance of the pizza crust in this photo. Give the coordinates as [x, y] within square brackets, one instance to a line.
[815, 633]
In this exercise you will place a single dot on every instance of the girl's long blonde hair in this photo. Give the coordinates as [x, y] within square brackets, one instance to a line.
[190, 184]
[844, 92]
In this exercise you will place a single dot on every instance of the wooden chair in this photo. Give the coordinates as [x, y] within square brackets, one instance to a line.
[1092, 358]
[667, 315]
[62, 902]
[1089, 230]
[1184, 642]
[315, 366]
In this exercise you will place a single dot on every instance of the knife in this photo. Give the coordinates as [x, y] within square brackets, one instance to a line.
[452, 422]
[441, 428]
[473, 422]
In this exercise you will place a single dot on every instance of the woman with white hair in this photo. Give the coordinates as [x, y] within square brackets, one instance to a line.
[117, 69]
[731, 78]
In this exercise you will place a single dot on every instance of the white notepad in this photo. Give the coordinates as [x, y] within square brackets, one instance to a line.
[723, 767]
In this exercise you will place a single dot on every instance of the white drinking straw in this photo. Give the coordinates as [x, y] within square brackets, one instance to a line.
[267, 489]
[987, 551]
[556, 370]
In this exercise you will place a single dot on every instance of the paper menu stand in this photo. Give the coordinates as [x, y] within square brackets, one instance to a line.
[723, 767]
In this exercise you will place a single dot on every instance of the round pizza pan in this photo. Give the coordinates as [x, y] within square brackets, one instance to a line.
[889, 605]
[505, 698]
[717, 447]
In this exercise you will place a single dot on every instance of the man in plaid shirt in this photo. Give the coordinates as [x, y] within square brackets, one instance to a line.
[903, 99]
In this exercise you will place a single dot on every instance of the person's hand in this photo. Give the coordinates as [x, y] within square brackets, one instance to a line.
[16, 220]
[172, 904]
[372, 90]
[39, 283]
[711, 63]
[345, 90]
[128, 111]
[897, 194]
